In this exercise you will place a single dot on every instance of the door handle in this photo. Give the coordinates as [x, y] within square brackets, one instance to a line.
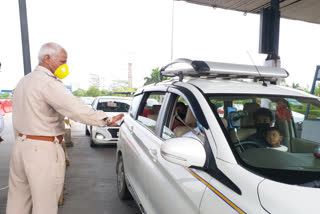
[153, 153]
[131, 129]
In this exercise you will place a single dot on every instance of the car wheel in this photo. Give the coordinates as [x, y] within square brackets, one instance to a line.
[87, 131]
[122, 188]
[92, 144]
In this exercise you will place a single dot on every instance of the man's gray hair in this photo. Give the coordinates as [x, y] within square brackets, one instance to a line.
[51, 49]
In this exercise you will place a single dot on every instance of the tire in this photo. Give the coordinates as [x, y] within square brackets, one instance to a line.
[122, 188]
[92, 144]
[87, 131]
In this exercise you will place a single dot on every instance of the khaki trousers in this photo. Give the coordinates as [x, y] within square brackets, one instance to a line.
[36, 177]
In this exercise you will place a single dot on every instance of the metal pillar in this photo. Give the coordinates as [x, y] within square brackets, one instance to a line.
[269, 33]
[172, 28]
[24, 36]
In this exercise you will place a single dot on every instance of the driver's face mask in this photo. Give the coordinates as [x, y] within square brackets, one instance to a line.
[181, 112]
[182, 115]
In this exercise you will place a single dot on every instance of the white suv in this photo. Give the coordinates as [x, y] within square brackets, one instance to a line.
[196, 160]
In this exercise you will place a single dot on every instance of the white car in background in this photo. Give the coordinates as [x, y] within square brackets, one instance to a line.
[87, 100]
[112, 106]
[217, 169]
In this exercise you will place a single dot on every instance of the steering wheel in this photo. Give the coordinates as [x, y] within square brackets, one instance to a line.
[245, 144]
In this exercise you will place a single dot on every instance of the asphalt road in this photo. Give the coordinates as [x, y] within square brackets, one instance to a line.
[90, 185]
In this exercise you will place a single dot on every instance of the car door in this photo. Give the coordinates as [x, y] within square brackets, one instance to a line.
[231, 187]
[176, 189]
[142, 149]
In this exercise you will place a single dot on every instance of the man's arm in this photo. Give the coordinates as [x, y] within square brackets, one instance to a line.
[63, 101]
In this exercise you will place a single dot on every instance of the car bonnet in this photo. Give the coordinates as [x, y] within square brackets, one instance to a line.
[278, 197]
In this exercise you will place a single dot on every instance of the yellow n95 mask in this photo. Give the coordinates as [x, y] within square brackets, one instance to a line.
[62, 71]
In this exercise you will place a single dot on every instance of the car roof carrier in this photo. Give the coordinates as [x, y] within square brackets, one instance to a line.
[195, 68]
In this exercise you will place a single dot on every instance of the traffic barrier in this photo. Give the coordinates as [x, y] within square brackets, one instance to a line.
[1, 111]
[66, 142]
[5, 106]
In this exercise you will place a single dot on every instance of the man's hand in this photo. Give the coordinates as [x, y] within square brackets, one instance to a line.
[114, 119]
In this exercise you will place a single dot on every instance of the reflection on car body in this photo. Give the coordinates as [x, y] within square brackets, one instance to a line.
[112, 106]
[225, 172]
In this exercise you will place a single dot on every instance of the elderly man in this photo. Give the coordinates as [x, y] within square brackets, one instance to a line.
[40, 103]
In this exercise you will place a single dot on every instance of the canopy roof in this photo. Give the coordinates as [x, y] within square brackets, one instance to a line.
[303, 10]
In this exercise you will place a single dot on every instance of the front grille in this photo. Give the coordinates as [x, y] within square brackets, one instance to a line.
[114, 132]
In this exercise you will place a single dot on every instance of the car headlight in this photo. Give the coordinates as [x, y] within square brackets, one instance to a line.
[99, 137]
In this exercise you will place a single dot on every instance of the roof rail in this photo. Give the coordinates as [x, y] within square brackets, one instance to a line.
[196, 68]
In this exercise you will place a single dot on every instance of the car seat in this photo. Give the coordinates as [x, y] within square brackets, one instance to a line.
[154, 112]
[283, 127]
[247, 124]
[190, 121]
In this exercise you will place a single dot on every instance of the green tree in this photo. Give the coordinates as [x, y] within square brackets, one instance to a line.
[5, 95]
[105, 93]
[79, 93]
[124, 92]
[317, 90]
[154, 78]
[296, 86]
[93, 92]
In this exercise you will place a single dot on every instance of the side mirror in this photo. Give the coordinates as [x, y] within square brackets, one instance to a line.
[184, 151]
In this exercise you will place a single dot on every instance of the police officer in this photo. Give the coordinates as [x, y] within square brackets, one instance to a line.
[40, 103]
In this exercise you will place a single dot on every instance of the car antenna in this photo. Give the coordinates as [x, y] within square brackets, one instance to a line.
[263, 82]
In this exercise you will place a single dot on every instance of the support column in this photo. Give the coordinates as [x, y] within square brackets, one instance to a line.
[24, 36]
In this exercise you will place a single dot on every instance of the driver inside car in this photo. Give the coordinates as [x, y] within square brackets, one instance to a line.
[263, 121]
[181, 111]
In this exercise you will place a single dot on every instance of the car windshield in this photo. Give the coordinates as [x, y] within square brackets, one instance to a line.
[113, 105]
[277, 136]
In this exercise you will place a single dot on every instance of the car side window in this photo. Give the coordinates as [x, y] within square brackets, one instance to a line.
[135, 105]
[148, 114]
[182, 122]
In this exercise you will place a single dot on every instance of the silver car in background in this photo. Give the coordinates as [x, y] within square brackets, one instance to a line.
[112, 106]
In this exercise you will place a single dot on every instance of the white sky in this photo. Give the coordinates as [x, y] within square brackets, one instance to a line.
[101, 36]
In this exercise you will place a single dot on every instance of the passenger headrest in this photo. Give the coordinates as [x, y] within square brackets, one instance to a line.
[155, 109]
[250, 108]
[190, 120]
[225, 122]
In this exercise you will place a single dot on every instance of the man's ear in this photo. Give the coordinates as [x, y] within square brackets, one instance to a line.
[46, 58]
[281, 138]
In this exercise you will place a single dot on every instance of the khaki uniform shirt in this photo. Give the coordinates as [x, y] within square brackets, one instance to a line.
[41, 102]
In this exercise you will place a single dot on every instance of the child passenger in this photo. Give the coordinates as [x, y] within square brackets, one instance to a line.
[274, 139]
